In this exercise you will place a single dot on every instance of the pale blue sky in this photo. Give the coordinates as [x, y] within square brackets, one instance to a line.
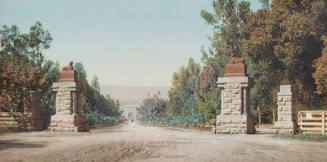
[123, 42]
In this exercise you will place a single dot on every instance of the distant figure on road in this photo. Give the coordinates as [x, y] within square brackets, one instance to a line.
[133, 123]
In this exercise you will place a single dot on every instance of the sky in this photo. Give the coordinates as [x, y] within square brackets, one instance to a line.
[137, 43]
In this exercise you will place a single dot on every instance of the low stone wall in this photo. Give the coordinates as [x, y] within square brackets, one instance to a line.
[19, 121]
[29, 120]
[11, 121]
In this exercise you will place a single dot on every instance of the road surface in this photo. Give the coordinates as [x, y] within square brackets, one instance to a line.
[136, 142]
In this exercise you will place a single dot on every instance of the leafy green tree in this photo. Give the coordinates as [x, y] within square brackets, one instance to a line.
[48, 97]
[226, 20]
[210, 104]
[320, 74]
[96, 84]
[265, 3]
[184, 86]
[209, 94]
[282, 42]
[87, 94]
[279, 42]
[153, 106]
[23, 68]
[191, 105]
[208, 78]
[81, 73]
[22, 62]
[91, 98]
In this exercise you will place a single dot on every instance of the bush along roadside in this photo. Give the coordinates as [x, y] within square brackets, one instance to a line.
[96, 118]
[194, 120]
[157, 111]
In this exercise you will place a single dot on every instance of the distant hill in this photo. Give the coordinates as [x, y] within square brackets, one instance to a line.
[132, 95]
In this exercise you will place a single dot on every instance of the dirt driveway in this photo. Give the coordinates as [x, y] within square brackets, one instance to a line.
[135, 142]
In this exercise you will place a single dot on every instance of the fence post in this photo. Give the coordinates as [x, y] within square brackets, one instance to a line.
[323, 122]
[300, 120]
[274, 118]
[259, 116]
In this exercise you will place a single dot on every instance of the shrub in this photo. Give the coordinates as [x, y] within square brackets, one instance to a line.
[188, 120]
[152, 106]
[96, 118]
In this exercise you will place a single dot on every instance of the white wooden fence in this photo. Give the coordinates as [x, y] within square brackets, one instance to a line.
[312, 122]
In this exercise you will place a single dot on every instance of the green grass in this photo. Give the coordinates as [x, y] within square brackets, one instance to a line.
[303, 137]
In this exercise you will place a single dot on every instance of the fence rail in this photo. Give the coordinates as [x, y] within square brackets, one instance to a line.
[312, 121]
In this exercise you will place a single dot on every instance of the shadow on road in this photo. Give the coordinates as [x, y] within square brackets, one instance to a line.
[8, 144]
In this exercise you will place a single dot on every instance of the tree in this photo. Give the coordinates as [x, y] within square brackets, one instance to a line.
[95, 84]
[279, 42]
[226, 20]
[283, 42]
[48, 97]
[91, 98]
[191, 105]
[320, 74]
[184, 86]
[22, 63]
[23, 68]
[153, 106]
[210, 105]
[81, 73]
[208, 78]
[265, 3]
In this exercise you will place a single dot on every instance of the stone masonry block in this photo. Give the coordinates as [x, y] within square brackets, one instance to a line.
[227, 100]
[286, 123]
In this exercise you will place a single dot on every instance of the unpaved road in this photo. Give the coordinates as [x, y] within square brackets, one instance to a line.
[135, 142]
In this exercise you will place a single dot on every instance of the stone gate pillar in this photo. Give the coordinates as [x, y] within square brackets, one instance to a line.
[32, 112]
[287, 119]
[235, 116]
[68, 116]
